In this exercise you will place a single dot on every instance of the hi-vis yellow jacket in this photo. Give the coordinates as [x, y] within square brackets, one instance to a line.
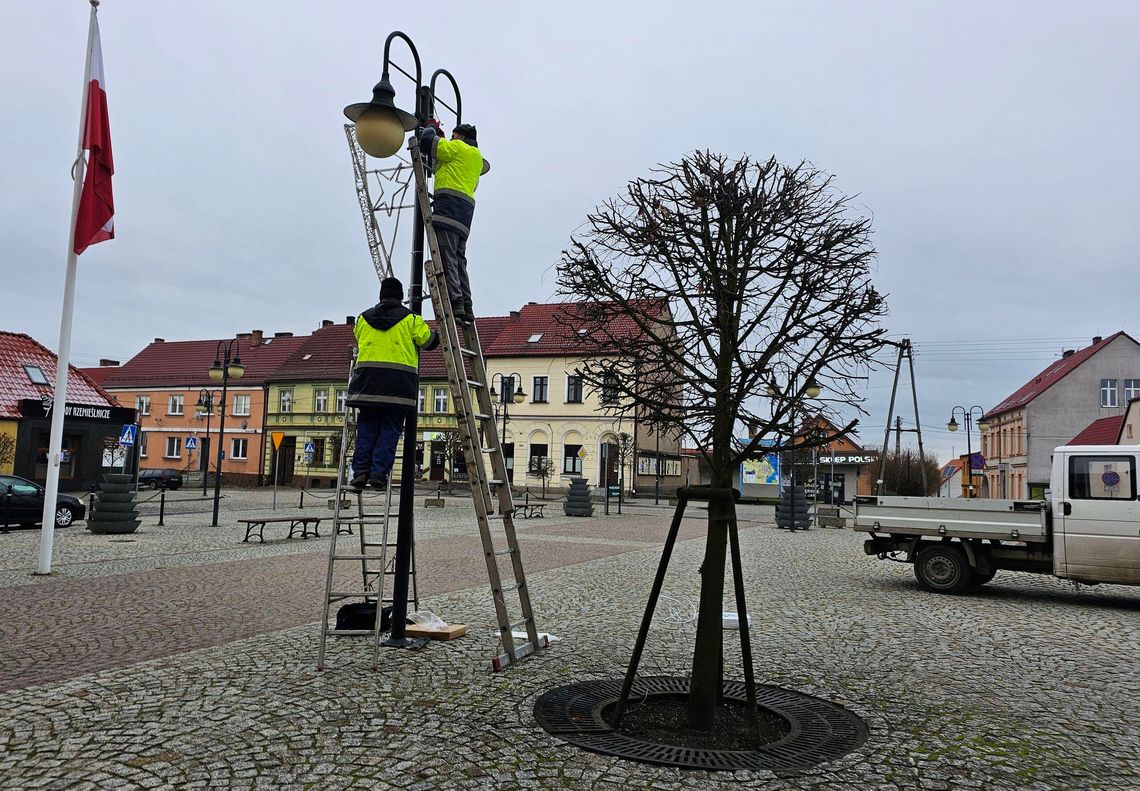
[459, 165]
[388, 339]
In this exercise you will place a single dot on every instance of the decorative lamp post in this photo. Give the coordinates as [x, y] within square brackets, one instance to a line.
[227, 363]
[506, 381]
[205, 406]
[968, 419]
[381, 128]
[811, 390]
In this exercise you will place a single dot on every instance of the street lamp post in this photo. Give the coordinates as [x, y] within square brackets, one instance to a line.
[381, 129]
[227, 363]
[205, 406]
[508, 382]
[968, 419]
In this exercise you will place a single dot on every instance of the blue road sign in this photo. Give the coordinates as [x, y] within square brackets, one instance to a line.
[310, 448]
[191, 443]
[127, 435]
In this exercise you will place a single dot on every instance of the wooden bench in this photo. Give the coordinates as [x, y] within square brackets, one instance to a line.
[528, 511]
[296, 523]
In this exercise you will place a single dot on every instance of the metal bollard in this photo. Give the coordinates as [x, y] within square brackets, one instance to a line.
[302, 505]
[91, 501]
[161, 506]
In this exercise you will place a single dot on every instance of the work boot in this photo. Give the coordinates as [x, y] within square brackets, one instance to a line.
[469, 309]
[357, 483]
[380, 482]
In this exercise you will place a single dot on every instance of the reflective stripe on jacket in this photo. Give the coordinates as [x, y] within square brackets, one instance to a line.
[458, 167]
[388, 339]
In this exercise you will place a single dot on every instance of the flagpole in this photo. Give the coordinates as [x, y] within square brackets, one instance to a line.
[55, 443]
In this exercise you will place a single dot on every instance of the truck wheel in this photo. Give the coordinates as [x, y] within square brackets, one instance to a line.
[942, 568]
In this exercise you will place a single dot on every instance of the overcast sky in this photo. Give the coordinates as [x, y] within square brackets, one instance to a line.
[995, 145]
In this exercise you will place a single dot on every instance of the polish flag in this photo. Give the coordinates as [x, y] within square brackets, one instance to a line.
[94, 221]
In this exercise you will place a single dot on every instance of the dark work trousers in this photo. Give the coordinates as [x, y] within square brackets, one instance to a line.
[453, 248]
[378, 429]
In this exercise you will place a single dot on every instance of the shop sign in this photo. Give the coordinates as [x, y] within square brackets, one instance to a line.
[32, 407]
[849, 458]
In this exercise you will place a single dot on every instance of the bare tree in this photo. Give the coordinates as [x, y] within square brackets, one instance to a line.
[540, 467]
[452, 453]
[747, 283]
[902, 474]
[7, 449]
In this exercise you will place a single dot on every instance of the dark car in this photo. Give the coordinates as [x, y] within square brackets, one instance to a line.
[22, 503]
[160, 479]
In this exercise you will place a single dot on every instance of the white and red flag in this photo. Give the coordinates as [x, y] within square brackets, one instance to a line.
[95, 220]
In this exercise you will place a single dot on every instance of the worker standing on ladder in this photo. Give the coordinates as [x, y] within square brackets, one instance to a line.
[385, 384]
[458, 167]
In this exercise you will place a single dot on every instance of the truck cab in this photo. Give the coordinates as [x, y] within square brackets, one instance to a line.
[1095, 507]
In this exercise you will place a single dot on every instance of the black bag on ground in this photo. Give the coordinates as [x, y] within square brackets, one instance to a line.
[362, 615]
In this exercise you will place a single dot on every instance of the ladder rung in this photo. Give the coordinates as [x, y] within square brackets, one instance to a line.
[515, 626]
[514, 586]
[494, 481]
[356, 557]
[346, 594]
[468, 352]
[492, 450]
[351, 632]
[506, 551]
[481, 416]
[471, 383]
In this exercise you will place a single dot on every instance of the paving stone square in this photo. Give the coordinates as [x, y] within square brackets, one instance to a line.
[186, 659]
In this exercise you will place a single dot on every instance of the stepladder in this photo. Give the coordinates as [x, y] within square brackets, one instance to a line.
[361, 553]
[490, 488]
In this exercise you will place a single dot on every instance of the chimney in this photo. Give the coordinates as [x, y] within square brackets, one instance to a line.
[514, 315]
[1068, 353]
[103, 362]
[326, 323]
[244, 336]
[160, 340]
[350, 319]
[256, 337]
[282, 335]
[1097, 339]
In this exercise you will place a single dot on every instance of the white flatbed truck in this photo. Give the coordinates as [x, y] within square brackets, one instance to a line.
[1086, 530]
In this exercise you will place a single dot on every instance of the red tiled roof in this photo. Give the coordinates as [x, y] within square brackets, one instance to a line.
[554, 322]
[97, 375]
[187, 363]
[327, 352]
[18, 350]
[1100, 432]
[1056, 371]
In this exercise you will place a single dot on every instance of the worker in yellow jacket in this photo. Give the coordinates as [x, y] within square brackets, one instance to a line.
[458, 167]
[385, 384]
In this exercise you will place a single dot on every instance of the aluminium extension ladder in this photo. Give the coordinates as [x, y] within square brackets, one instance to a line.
[376, 564]
[477, 430]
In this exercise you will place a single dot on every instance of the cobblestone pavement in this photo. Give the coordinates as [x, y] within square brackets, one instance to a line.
[1030, 684]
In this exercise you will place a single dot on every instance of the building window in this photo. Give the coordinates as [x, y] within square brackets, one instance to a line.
[610, 390]
[174, 404]
[341, 401]
[286, 402]
[142, 443]
[508, 385]
[534, 338]
[173, 448]
[571, 463]
[319, 451]
[1131, 389]
[573, 389]
[420, 401]
[538, 452]
[321, 400]
[1108, 393]
[540, 388]
[441, 399]
[36, 374]
[239, 448]
[142, 404]
[241, 405]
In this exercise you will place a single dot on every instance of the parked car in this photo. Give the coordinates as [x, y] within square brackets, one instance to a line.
[160, 479]
[22, 503]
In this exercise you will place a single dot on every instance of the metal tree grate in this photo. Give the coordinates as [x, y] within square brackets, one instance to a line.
[820, 731]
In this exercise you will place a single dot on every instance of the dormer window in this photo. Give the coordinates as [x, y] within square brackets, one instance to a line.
[36, 374]
[534, 338]
[582, 331]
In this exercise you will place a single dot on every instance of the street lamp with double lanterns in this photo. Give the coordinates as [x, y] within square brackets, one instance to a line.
[983, 426]
[506, 381]
[205, 408]
[227, 363]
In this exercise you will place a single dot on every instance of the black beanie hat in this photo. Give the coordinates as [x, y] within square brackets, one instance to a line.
[391, 288]
[467, 130]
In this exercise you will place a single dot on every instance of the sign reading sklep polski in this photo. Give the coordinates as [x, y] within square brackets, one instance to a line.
[848, 458]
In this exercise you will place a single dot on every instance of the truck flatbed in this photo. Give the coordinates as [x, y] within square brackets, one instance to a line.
[1002, 520]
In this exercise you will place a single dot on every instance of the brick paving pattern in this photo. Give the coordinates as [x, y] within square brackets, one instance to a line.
[1029, 684]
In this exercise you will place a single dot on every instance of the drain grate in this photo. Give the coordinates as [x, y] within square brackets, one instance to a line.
[820, 731]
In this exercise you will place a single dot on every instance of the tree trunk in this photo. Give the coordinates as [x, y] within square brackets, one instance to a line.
[704, 689]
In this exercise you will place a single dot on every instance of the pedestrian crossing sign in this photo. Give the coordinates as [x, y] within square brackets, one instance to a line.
[127, 435]
[191, 443]
[310, 448]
